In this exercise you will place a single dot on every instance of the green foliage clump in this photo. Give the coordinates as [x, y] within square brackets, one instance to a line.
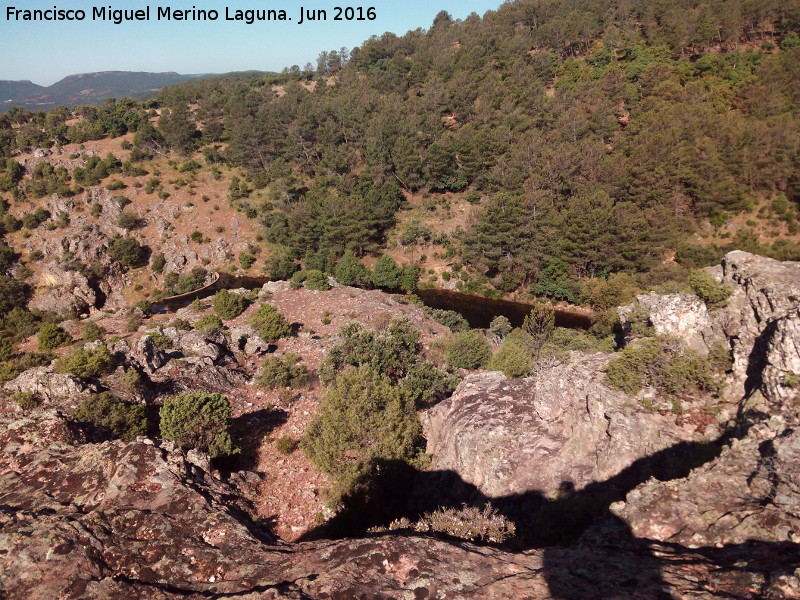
[199, 420]
[468, 350]
[280, 266]
[25, 400]
[391, 353]
[270, 323]
[387, 274]
[449, 318]
[157, 263]
[86, 362]
[93, 332]
[317, 280]
[666, 365]
[181, 324]
[286, 444]
[281, 372]
[363, 418]
[298, 279]
[714, 294]
[123, 420]
[208, 324]
[426, 385]
[228, 305]
[127, 251]
[175, 284]
[350, 271]
[52, 336]
[128, 220]
[513, 357]
[500, 327]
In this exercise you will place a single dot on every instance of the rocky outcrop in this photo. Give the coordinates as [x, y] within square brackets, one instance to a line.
[134, 520]
[511, 436]
[751, 492]
[680, 315]
[761, 322]
[58, 389]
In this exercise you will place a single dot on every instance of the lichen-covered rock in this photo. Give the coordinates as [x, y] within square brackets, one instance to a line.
[142, 354]
[681, 315]
[59, 389]
[137, 521]
[510, 436]
[751, 492]
[766, 292]
[781, 374]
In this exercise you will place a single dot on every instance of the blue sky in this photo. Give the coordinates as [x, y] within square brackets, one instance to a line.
[45, 52]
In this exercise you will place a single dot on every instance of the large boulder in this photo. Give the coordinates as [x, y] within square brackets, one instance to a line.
[566, 426]
[680, 315]
[761, 322]
[751, 492]
[59, 389]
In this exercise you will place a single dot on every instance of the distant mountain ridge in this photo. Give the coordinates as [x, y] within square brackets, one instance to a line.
[87, 88]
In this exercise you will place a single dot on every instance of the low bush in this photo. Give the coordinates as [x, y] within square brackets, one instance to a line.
[228, 305]
[270, 324]
[468, 350]
[282, 371]
[714, 294]
[93, 332]
[665, 364]
[471, 523]
[123, 420]
[317, 280]
[86, 362]
[512, 358]
[127, 251]
[199, 420]
[208, 324]
[449, 318]
[52, 336]
[363, 417]
[26, 400]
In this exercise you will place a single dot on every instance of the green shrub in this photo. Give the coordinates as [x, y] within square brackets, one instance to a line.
[280, 267]
[124, 420]
[285, 445]
[93, 332]
[270, 324]
[196, 237]
[317, 280]
[500, 327]
[468, 350]
[387, 274]
[87, 363]
[426, 385]
[350, 271]
[298, 279]
[391, 353]
[52, 336]
[25, 400]
[128, 220]
[228, 305]
[512, 358]
[363, 417]
[246, 260]
[666, 365]
[127, 251]
[714, 294]
[133, 323]
[285, 371]
[157, 263]
[448, 318]
[181, 324]
[175, 284]
[208, 324]
[199, 420]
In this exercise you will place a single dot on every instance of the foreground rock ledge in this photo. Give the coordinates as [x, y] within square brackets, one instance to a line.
[136, 521]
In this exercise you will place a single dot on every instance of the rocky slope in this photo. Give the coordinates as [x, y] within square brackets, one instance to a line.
[703, 504]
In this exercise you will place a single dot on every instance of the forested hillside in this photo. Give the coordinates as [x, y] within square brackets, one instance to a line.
[543, 147]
